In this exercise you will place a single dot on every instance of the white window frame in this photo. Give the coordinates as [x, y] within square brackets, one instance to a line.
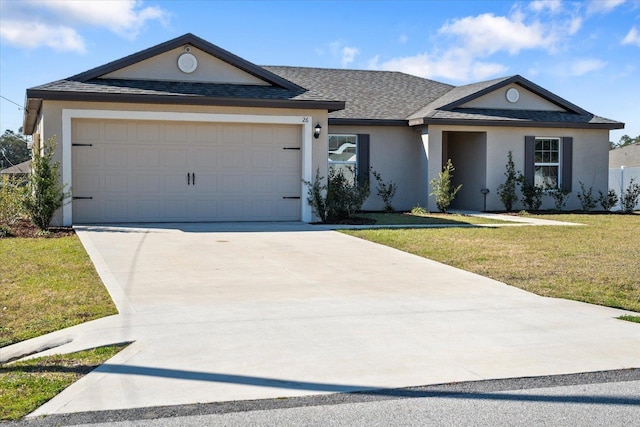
[557, 164]
[354, 163]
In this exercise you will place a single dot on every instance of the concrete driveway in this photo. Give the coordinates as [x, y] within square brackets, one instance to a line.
[220, 312]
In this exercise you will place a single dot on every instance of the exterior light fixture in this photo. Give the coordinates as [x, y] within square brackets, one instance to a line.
[317, 130]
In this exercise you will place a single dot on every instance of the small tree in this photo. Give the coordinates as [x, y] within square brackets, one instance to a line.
[386, 190]
[443, 189]
[45, 192]
[630, 197]
[586, 198]
[531, 194]
[507, 190]
[609, 200]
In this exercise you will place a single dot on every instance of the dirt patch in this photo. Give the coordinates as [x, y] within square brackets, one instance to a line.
[25, 228]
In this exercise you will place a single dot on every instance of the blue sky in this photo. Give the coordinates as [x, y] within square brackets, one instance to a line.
[587, 52]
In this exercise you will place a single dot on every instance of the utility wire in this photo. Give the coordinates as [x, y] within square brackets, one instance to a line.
[14, 103]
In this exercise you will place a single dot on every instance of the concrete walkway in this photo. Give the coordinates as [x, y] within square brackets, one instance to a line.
[220, 312]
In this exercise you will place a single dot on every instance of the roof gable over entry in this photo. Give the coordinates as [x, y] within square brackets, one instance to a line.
[494, 103]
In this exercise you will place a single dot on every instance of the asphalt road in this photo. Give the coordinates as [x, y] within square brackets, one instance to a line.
[608, 398]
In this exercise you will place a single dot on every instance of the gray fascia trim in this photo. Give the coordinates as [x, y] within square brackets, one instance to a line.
[565, 125]
[195, 41]
[367, 122]
[186, 100]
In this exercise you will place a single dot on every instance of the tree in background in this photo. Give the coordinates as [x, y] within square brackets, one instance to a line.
[624, 141]
[13, 149]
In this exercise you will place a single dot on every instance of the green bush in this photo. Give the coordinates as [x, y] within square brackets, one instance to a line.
[443, 189]
[419, 210]
[345, 197]
[12, 194]
[531, 194]
[586, 198]
[559, 196]
[386, 190]
[630, 197]
[45, 193]
[317, 196]
[339, 199]
[507, 190]
[609, 200]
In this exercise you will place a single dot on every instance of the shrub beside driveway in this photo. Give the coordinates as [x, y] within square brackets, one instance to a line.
[597, 263]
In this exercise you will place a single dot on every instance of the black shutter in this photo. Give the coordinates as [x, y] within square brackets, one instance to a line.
[529, 158]
[567, 162]
[362, 158]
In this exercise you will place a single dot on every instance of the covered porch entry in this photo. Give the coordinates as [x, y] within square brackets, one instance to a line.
[468, 153]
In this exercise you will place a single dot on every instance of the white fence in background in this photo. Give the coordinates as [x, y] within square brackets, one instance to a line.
[620, 178]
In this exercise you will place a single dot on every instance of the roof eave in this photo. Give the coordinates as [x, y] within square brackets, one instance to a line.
[366, 122]
[184, 100]
[516, 123]
[32, 107]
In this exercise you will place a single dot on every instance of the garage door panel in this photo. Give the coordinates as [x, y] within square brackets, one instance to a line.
[116, 184]
[138, 171]
[113, 157]
[115, 132]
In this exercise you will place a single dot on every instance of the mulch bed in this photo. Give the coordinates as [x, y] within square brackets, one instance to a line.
[25, 228]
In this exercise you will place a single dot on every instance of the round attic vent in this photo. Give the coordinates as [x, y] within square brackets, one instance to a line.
[187, 63]
[513, 95]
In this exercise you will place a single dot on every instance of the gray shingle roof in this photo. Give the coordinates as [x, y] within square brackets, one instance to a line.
[379, 95]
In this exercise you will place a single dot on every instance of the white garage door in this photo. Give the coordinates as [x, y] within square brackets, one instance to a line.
[129, 171]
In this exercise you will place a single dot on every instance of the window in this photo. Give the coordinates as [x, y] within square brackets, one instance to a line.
[547, 162]
[343, 154]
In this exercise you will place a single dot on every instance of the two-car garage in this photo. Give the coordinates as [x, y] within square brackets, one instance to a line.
[177, 171]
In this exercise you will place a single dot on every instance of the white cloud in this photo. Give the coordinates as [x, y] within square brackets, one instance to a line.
[31, 35]
[348, 55]
[486, 34]
[403, 38]
[632, 37]
[603, 6]
[553, 6]
[455, 64]
[58, 23]
[584, 66]
[574, 25]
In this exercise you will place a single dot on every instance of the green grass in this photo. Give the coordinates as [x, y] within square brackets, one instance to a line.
[24, 386]
[427, 219]
[597, 263]
[629, 318]
[47, 285]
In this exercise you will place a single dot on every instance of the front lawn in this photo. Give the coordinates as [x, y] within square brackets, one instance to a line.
[598, 263]
[24, 386]
[427, 219]
[47, 284]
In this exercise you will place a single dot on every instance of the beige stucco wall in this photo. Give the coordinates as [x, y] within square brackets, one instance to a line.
[590, 158]
[52, 125]
[395, 153]
[498, 100]
[165, 67]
